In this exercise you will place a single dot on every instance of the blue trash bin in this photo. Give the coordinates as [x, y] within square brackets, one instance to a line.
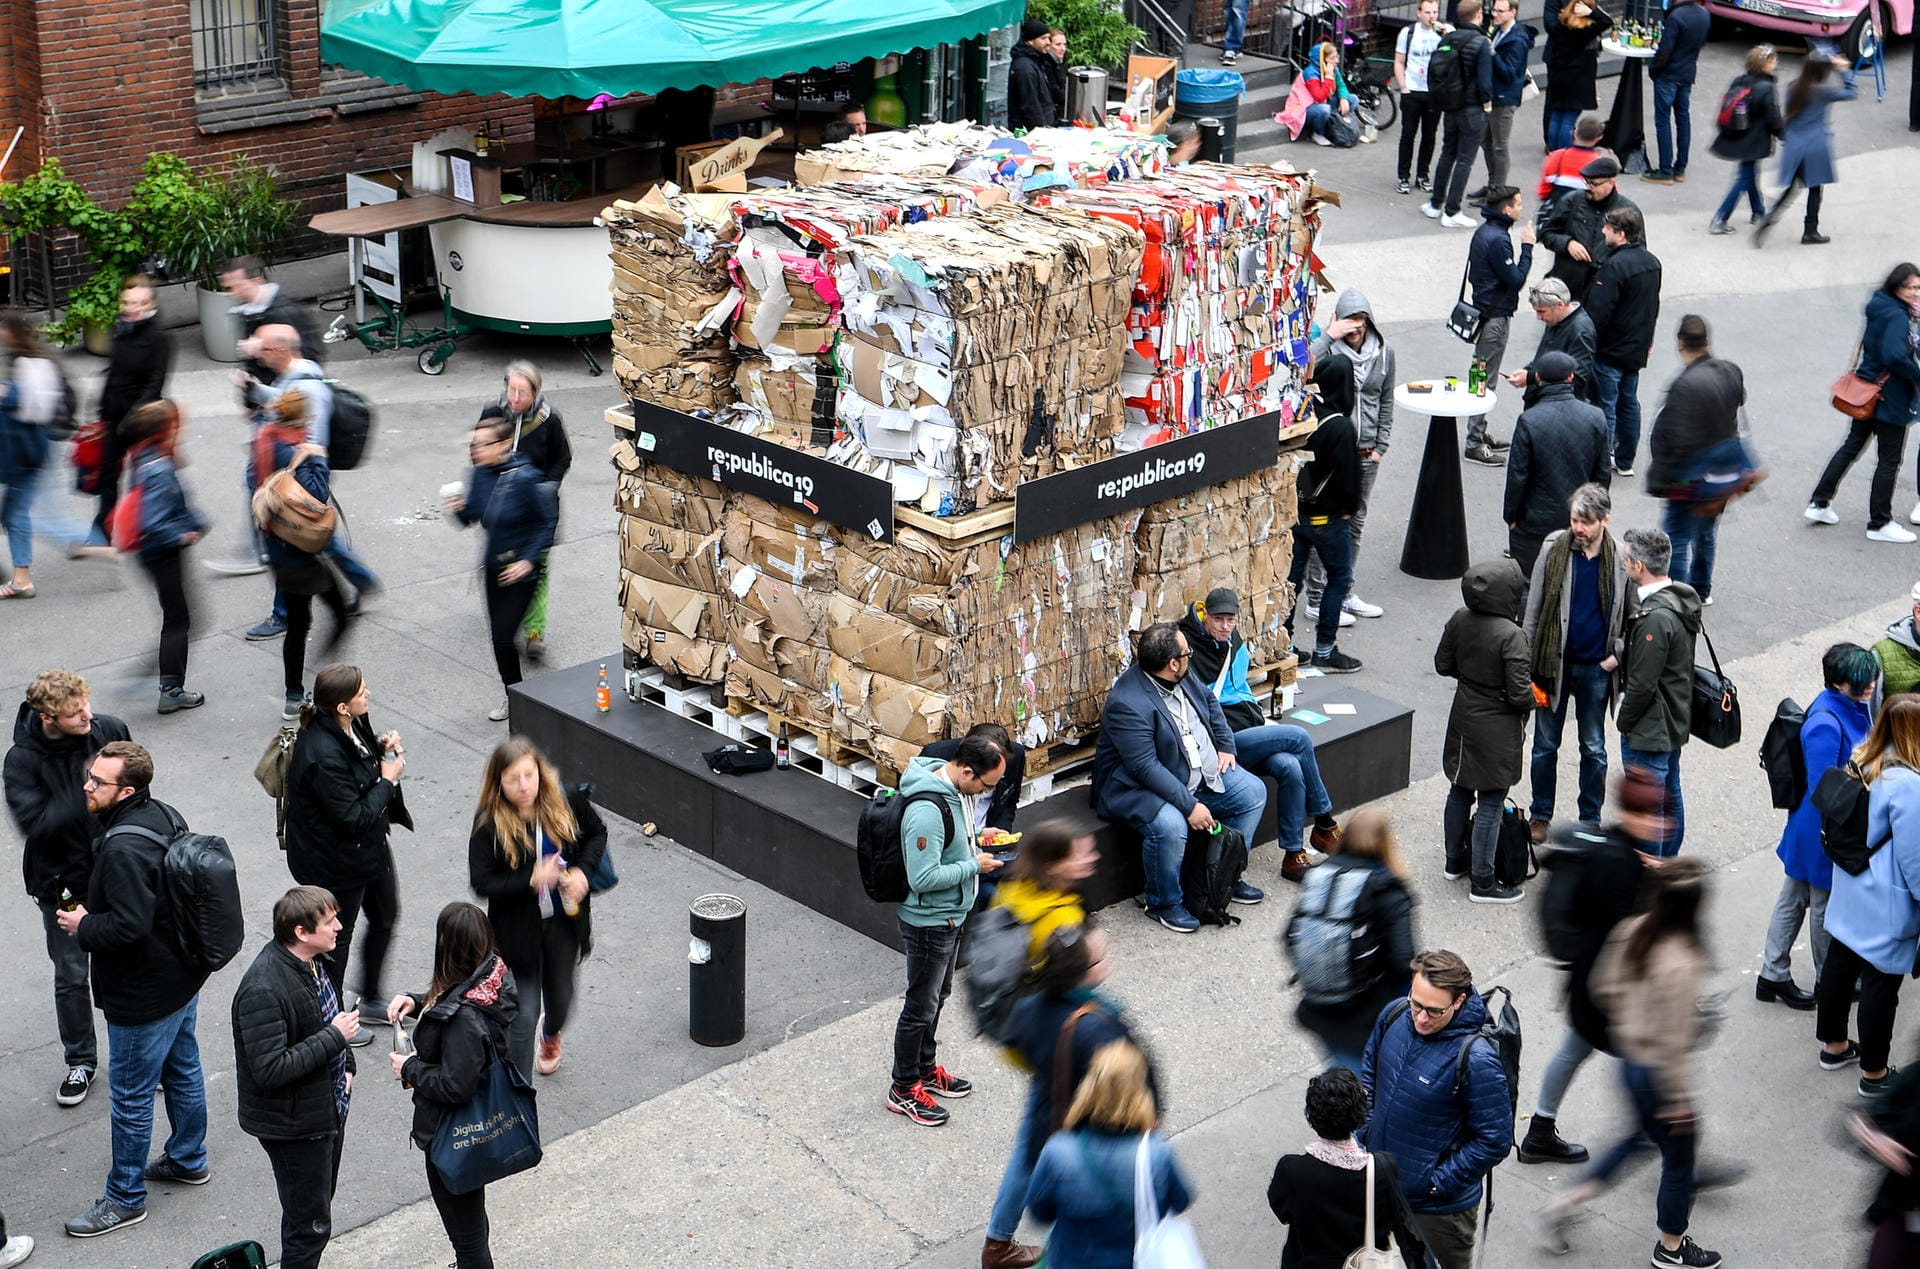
[1211, 92]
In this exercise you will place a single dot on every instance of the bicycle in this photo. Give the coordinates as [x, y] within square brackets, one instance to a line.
[1369, 79]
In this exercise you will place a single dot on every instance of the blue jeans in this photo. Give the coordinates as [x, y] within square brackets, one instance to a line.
[1675, 1201]
[1746, 180]
[162, 1052]
[1695, 542]
[1586, 694]
[1333, 543]
[16, 513]
[1010, 1202]
[1285, 752]
[1665, 768]
[930, 956]
[1620, 402]
[1164, 843]
[1235, 42]
[1671, 101]
[1560, 128]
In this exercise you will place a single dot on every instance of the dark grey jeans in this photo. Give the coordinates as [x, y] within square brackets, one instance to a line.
[1491, 347]
[930, 957]
[1316, 570]
[72, 1002]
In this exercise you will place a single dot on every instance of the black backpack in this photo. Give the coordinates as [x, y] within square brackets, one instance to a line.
[1841, 799]
[1736, 107]
[201, 891]
[1213, 866]
[349, 429]
[1513, 858]
[1783, 758]
[1447, 71]
[878, 844]
[1566, 865]
[1331, 939]
[999, 971]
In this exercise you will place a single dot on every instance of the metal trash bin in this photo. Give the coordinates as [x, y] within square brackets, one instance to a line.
[1207, 93]
[1212, 139]
[717, 970]
[1087, 95]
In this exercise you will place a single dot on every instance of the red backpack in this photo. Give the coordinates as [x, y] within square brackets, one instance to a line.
[1735, 108]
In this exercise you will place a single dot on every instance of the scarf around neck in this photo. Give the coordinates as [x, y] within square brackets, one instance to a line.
[1345, 1155]
[1548, 633]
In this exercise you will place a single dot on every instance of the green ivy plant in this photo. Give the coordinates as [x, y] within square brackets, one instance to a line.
[48, 201]
[1098, 33]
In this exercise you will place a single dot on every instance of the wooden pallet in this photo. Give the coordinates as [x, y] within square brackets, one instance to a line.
[811, 748]
[993, 520]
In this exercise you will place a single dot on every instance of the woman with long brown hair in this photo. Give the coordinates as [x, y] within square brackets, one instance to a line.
[1873, 919]
[1806, 142]
[300, 575]
[1573, 64]
[534, 843]
[1363, 883]
[463, 1020]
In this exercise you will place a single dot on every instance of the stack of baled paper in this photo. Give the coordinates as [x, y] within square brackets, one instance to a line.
[673, 299]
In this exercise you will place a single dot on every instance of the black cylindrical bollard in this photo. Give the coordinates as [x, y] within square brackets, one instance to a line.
[1212, 139]
[717, 970]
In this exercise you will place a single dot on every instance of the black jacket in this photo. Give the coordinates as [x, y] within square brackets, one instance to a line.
[1476, 68]
[1656, 681]
[1057, 76]
[1624, 302]
[1572, 218]
[1386, 905]
[1005, 802]
[455, 1041]
[339, 808]
[1573, 59]
[1330, 484]
[43, 777]
[1702, 409]
[1494, 274]
[517, 506]
[1559, 444]
[540, 435]
[128, 930]
[512, 905]
[1030, 100]
[1763, 121]
[1573, 336]
[1325, 1211]
[283, 1053]
[136, 369]
[282, 310]
[1608, 881]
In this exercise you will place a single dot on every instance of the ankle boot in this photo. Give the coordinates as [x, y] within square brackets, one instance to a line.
[1005, 1253]
[1542, 1144]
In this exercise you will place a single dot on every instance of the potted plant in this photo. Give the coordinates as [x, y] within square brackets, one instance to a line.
[1098, 33]
[48, 201]
[198, 221]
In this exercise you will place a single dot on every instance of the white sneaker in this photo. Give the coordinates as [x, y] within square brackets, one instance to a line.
[17, 1249]
[1429, 211]
[1458, 222]
[1914, 515]
[1361, 608]
[1890, 532]
[1827, 515]
[498, 714]
[1318, 139]
[1313, 614]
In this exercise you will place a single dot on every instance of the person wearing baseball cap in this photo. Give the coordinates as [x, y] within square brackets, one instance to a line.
[1568, 330]
[1571, 227]
[1219, 660]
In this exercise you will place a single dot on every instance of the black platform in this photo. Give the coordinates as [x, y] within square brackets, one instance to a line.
[793, 832]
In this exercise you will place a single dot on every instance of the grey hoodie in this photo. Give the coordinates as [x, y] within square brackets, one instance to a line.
[1372, 371]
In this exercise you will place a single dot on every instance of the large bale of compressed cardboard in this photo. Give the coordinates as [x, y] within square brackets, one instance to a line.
[673, 611]
[673, 298]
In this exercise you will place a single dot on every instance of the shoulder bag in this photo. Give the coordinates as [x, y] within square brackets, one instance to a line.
[283, 507]
[1368, 1256]
[1159, 1242]
[1716, 703]
[496, 1134]
[1465, 319]
[1855, 397]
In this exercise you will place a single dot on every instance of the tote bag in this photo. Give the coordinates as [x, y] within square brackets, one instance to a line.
[494, 1135]
[1159, 1242]
[1367, 1256]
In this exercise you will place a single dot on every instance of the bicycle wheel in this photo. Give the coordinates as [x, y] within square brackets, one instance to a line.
[1377, 105]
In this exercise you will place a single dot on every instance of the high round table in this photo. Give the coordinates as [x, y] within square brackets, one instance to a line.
[1626, 133]
[1436, 546]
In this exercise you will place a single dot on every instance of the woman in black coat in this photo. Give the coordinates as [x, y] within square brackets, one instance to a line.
[1572, 61]
[343, 795]
[534, 843]
[1385, 907]
[1321, 1195]
[1752, 145]
[463, 1021]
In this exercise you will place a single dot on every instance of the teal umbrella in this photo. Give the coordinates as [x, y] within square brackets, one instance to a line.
[580, 48]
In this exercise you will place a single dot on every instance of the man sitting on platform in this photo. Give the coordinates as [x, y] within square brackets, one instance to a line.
[997, 811]
[1280, 750]
[1165, 763]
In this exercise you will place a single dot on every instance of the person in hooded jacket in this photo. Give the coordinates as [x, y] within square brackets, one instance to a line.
[513, 501]
[1899, 653]
[299, 576]
[169, 524]
[1446, 1127]
[1329, 494]
[1559, 444]
[534, 844]
[1217, 660]
[1359, 340]
[1888, 357]
[1572, 64]
[1385, 906]
[55, 735]
[1837, 723]
[1749, 147]
[1655, 716]
[343, 797]
[463, 1017]
[1484, 650]
[1030, 100]
[539, 434]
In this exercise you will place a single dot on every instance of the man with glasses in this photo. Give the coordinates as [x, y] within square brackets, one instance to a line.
[1166, 766]
[1448, 1123]
[149, 994]
[1571, 227]
[55, 735]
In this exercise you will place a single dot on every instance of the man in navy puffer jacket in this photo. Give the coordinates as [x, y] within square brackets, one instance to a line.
[1447, 1134]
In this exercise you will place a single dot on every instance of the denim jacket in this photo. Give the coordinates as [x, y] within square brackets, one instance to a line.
[1083, 1183]
[165, 514]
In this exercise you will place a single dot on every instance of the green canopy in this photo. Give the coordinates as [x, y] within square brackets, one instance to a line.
[580, 48]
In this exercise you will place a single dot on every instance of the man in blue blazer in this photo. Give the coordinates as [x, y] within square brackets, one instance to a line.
[1165, 766]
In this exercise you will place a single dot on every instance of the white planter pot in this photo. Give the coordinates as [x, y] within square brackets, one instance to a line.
[220, 330]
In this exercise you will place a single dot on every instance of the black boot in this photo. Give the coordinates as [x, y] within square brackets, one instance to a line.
[1542, 1144]
[1767, 991]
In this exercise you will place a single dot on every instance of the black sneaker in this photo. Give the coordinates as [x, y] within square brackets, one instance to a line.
[1688, 1253]
[1404, 187]
[1421, 182]
[104, 1217]
[917, 1105]
[1335, 662]
[1839, 1061]
[943, 1083]
[1871, 1088]
[1455, 869]
[74, 1088]
[1494, 892]
[165, 1169]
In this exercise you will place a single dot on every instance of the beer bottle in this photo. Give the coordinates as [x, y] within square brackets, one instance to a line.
[781, 756]
[603, 695]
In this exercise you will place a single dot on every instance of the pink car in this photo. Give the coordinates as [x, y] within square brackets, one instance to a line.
[1844, 22]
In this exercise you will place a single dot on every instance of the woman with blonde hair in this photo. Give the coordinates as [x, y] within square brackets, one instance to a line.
[1084, 1181]
[534, 843]
[1873, 918]
[300, 575]
[1361, 890]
